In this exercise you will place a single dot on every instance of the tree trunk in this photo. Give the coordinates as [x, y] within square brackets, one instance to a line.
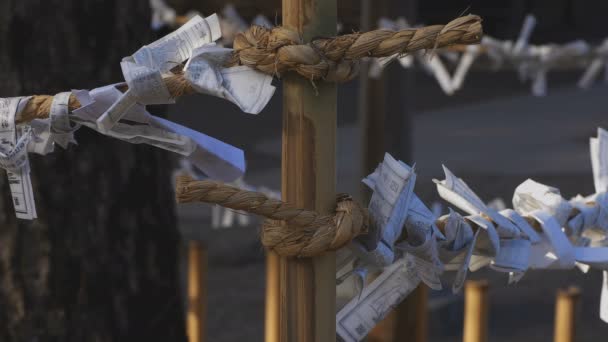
[100, 262]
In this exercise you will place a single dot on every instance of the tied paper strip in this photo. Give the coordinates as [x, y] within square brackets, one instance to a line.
[215, 158]
[393, 184]
[595, 67]
[513, 256]
[146, 87]
[143, 71]
[546, 206]
[62, 131]
[355, 320]
[598, 257]
[457, 248]
[13, 157]
[245, 87]
[55, 129]
[456, 191]
[421, 248]
[176, 47]
[487, 244]
[548, 57]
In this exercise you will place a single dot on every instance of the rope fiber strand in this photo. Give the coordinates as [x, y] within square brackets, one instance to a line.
[287, 230]
[278, 50]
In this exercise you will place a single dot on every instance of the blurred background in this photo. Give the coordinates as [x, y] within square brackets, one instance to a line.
[111, 272]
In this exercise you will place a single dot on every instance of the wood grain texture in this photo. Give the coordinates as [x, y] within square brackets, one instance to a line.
[307, 286]
[565, 314]
[476, 311]
[196, 319]
[272, 304]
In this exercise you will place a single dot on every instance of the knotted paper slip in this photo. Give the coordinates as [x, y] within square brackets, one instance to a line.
[543, 231]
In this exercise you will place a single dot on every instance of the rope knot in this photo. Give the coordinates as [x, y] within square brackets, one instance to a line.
[287, 230]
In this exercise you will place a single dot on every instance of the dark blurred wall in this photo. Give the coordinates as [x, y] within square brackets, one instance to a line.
[559, 20]
[99, 264]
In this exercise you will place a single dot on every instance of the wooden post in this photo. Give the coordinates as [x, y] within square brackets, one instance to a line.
[308, 286]
[565, 315]
[271, 321]
[197, 292]
[385, 125]
[476, 311]
[372, 99]
[411, 321]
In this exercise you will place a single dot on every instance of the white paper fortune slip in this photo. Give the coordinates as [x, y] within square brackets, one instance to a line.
[599, 160]
[245, 87]
[55, 129]
[362, 313]
[62, 130]
[488, 242]
[561, 247]
[458, 193]
[146, 87]
[215, 158]
[512, 256]
[143, 71]
[421, 248]
[456, 250]
[13, 157]
[522, 224]
[598, 256]
[177, 46]
[393, 184]
[595, 67]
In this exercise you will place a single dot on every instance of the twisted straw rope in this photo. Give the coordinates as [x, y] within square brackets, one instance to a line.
[287, 230]
[275, 51]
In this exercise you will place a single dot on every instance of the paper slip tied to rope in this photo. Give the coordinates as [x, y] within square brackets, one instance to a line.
[123, 115]
[393, 206]
[13, 157]
[360, 316]
[249, 89]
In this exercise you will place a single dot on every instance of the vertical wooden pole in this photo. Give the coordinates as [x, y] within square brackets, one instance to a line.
[565, 314]
[411, 321]
[386, 127]
[197, 292]
[372, 98]
[271, 321]
[307, 286]
[476, 311]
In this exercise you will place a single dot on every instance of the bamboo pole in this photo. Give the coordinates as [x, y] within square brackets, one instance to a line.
[372, 97]
[197, 292]
[271, 321]
[307, 286]
[476, 311]
[565, 314]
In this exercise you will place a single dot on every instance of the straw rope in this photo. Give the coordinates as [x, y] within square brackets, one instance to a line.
[289, 231]
[275, 51]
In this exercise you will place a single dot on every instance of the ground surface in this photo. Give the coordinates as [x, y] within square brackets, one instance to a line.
[493, 135]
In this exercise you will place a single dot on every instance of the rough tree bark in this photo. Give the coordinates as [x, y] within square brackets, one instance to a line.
[100, 263]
